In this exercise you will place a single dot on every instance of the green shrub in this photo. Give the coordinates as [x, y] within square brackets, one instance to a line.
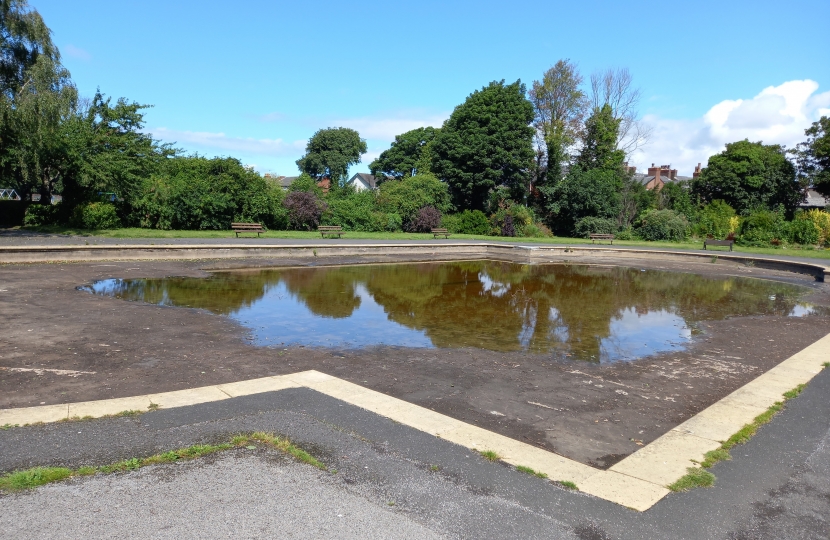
[471, 222]
[536, 230]
[625, 234]
[714, 219]
[803, 231]
[452, 222]
[594, 225]
[821, 219]
[199, 193]
[662, 225]
[42, 214]
[95, 216]
[354, 211]
[406, 197]
[305, 182]
[394, 223]
[520, 217]
[763, 227]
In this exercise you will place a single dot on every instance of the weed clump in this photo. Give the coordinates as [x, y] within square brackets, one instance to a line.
[490, 455]
[695, 477]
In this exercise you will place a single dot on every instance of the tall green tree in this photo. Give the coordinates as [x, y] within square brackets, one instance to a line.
[486, 142]
[560, 105]
[594, 185]
[330, 152]
[24, 38]
[409, 155]
[599, 145]
[813, 156]
[36, 95]
[106, 150]
[750, 175]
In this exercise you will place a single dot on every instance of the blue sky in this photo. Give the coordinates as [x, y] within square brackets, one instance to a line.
[255, 79]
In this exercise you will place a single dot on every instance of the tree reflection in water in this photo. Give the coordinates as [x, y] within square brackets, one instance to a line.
[583, 312]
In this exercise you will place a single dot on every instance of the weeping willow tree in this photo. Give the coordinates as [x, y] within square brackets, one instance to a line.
[36, 96]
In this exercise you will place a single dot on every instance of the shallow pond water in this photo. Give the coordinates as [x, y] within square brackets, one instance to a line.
[594, 313]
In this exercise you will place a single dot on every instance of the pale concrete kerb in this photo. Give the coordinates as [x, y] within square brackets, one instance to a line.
[638, 481]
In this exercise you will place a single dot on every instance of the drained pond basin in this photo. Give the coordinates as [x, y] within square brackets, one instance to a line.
[578, 312]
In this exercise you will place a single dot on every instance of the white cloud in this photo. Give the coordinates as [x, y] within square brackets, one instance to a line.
[76, 52]
[220, 141]
[777, 115]
[385, 129]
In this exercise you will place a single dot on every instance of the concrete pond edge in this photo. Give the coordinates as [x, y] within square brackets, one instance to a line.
[418, 250]
[639, 481]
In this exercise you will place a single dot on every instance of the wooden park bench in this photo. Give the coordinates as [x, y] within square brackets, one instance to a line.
[330, 230]
[596, 236]
[247, 228]
[440, 232]
[713, 242]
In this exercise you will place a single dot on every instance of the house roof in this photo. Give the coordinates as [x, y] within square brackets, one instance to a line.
[814, 200]
[645, 179]
[366, 178]
[285, 181]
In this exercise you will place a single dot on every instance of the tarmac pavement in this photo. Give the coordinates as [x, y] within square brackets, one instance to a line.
[777, 486]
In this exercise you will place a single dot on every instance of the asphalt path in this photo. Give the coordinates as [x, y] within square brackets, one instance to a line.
[391, 481]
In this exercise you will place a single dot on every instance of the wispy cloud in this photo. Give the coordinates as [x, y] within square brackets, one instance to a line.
[76, 52]
[384, 128]
[221, 141]
[271, 117]
[777, 115]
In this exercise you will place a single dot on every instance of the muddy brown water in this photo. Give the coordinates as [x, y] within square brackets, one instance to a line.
[590, 313]
[591, 411]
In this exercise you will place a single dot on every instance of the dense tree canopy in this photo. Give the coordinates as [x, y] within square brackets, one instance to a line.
[560, 106]
[409, 155]
[36, 96]
[486, 142]
[24, 39]
[749, 175]
[330, 152]
[599, 145]
[813, 156]
[107, 151]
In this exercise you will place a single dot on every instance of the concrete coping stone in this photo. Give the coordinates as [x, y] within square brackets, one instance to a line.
[17, 254]
[639, 481]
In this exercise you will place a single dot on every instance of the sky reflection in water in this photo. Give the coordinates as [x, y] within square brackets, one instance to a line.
[600, 314]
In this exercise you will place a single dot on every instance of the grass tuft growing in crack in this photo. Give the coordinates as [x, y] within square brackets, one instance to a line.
[30, 478]
[699, 477]
[490, 455]
[695, 477]
[38, 476]
[567, 484]
[528, 470]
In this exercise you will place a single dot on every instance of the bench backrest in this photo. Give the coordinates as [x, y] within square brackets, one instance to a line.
[709, 241]
[246, 226]
[439, 230]
[597, 235]
[329, 228]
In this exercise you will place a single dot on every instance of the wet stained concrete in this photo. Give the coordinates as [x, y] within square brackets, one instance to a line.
[596, 414]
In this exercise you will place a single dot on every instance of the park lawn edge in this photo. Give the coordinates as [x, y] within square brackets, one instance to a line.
[38, 476]
[138, 233]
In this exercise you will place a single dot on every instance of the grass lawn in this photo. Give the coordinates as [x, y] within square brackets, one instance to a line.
[311, 235]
